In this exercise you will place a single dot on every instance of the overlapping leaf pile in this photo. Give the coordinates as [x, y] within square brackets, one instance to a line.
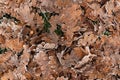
[59, 39]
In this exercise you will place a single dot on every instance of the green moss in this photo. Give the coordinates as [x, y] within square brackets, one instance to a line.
[46, 17]
[106, 32]
[59, 31]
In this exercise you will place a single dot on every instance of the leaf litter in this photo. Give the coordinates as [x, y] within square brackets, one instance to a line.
[59, 40]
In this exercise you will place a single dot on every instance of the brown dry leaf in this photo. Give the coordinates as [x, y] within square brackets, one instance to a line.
[28, 75]
[25, 13]
[23, 61]
[85, 60]
[94, 10]
[89, 38]
[5, 57]
[54, 21]
[70, 59]
[62, 3]
[8, 76]
[117, 6]
[14, 44]
[69, 34]
[4, 1]
[70, 19]
[19, 1]
[39, 19]
[89, 14]
[118, 17]
[3, 68]
[115, 41]
[78, 52]
[33, 2]
[2, 39]
[109, 7]
[71, 15]
[62, 78]
[46, 3]
[25, 57]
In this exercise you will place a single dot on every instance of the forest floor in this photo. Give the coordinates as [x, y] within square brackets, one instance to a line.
[59, 39]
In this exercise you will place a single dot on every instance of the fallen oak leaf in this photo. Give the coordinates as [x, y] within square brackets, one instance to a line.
[5, 57]
[26, 15]
[14, 44]
[85, 59]
[2, 39]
